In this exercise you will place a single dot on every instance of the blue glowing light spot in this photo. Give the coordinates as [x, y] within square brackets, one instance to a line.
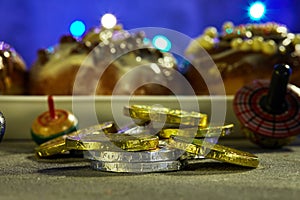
[146, 41]
[229, 30]
[162, 43]
[77, 28]
[257, 10]
[51, 49]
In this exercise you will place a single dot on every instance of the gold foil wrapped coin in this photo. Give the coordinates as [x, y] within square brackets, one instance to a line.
[142, 167]
[201, 132]
[53, 147]
[136, 142]
[89, 141]
[166, 115]
[58, 145]
[215, 151]
[133, 130]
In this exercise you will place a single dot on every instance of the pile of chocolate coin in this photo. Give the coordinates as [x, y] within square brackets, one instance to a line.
[160, 140]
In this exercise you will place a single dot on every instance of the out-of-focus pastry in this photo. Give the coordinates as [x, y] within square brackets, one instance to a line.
[242, 54]
[55, 68]
[13, 72]
[104, 62]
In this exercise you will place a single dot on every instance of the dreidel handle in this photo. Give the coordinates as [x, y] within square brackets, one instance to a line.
[51, 107]
[274, 102]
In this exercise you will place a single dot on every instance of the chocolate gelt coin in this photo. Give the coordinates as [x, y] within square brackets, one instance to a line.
[214, 151]
[201, 132]
[165, 115]
[159, 154]
[89, 141]
[58, 144]
[139, 167]
[52, 147]
[136, 142]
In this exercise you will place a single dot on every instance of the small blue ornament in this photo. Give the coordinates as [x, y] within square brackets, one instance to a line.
[2, 126]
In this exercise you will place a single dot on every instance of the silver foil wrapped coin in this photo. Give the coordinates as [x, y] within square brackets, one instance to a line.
[158, 155]
[141, 167]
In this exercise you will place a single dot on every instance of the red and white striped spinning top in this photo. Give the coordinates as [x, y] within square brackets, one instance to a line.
[269, 111]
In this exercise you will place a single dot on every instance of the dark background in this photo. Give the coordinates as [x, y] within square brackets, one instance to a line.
[32, 24]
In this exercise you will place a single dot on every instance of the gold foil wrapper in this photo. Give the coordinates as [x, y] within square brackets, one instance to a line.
[166, 115]
[201, 132]
[53, 147]
[58, 145]
[136, 142]
[215, 151]
[90, 141]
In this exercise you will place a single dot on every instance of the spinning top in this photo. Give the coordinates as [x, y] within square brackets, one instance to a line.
[52, 123]
[2, 126]
[269, 111]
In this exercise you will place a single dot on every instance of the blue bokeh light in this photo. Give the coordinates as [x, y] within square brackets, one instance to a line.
[43, 26]
[146, 41]
[77, 28]
[257, 11]
[162, 43]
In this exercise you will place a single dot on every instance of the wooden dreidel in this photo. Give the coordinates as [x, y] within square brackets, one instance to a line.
[2, 126]
[269, 112]
[52, 123]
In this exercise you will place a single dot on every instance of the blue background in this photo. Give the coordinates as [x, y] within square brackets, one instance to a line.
[32, 24]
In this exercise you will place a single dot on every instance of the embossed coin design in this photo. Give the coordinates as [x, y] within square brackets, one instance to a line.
[215, 151]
